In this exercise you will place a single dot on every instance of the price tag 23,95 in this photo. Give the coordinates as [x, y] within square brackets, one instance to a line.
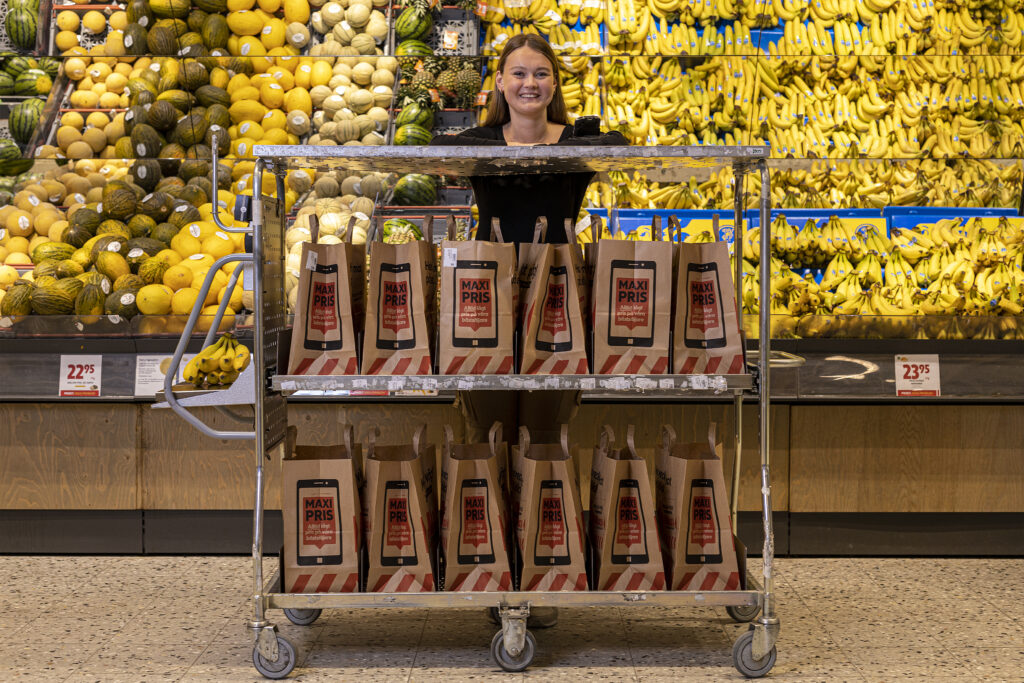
[80, 376]
[918, 375]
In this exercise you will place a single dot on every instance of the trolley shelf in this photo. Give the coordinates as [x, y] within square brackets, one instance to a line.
[710, 384]
[467, 161]
[445, 599]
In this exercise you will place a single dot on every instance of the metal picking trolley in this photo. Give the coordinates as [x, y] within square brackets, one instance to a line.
[513, 646]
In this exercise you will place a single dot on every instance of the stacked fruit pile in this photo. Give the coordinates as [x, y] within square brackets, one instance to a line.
[31, 79]
[872, 285]
[830, 184]
[351, 96]
[131, 240]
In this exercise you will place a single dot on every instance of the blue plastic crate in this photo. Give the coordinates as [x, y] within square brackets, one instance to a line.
[632, 220]
[910, 216]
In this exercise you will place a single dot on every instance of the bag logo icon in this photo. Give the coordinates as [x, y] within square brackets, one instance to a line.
[395, 313]
[704, 305]
[632, 302]
[475, 303]
[552, 526]
[628, 531]
[318, 521]
[323, 310]
[474, 521]
[702, 525]
[554, 319]
[399, 531]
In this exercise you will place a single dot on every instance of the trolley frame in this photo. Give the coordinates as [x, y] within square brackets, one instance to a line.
[754, 651]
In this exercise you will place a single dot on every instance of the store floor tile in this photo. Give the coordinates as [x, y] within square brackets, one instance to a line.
[163, 619]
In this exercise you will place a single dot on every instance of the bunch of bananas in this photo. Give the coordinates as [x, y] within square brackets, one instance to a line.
[218, 364]
[537, 15]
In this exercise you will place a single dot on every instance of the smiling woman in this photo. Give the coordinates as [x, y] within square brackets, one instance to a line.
[526, 108]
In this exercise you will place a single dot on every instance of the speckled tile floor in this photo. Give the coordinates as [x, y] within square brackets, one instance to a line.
[140, 619]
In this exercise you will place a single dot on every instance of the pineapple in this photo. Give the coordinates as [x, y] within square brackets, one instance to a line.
[435, 65]
[447, 82]
[467, 86]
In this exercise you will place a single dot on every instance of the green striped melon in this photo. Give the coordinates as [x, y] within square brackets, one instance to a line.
[6, 84]
[412, 134]
[24, 120]
[413, 48]
[15, 66]
[33, 82]
[413, 24]
[415, 189]
[21, 27]
[414, 113]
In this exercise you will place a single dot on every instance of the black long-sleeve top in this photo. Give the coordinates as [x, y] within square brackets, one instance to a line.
[518, 200]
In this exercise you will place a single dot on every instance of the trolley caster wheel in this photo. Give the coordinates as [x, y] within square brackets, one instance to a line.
[303, 617]
[743, 657]
[278, 669]
[743, 614]
[505, 660]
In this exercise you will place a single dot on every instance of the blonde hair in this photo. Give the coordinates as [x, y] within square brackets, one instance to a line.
[497, 107]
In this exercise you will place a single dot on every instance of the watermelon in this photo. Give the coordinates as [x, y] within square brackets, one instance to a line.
[412, 134]
[24, 120]
[21, 27]
[6, 84]
[33, 82]
[414, 113]
[415, 189]
[413, 48]
[15, 66]
[413, 24]
[50, 65]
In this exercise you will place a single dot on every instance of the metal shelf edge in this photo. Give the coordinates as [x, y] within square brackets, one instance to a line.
[714, 384]
[533, 598]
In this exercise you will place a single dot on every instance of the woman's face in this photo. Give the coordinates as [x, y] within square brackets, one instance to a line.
[528, 82]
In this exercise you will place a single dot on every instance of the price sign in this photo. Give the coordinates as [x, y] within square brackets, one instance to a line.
[918, 375]
[450, 40]
[80, 376]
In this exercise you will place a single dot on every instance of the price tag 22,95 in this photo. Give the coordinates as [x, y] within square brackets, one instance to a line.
[80, 376]
[918, 375]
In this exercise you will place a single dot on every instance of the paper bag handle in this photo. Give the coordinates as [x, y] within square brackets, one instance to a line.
[314, 228]
[570, 231]
[428, 228]
[449, 437]
[496, 230]
[451, 227]
[606, 439]
[629, 441]
[348, 436]
[540, 230]
[657, 235]
[494, 436]
[563, 438]
[418, 437]
[376, 232]
[351, 229]
[596, 227]
[668, 436]
[714, 227]
[371, 440]
[675, 230]
[524, 439]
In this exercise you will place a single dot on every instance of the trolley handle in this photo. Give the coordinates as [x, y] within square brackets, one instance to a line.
[186, 335]
[779, 359]
[216, 200]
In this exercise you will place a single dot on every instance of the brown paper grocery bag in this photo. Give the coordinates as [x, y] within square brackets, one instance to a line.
[632, 306]
[329, 308]
[623, 530]
[706, 328]
[322, 518]
[401, 516]
[400, 319]
[474, 515]
[478, 306]
[693, 515]
[553, 341]
[548, 516]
